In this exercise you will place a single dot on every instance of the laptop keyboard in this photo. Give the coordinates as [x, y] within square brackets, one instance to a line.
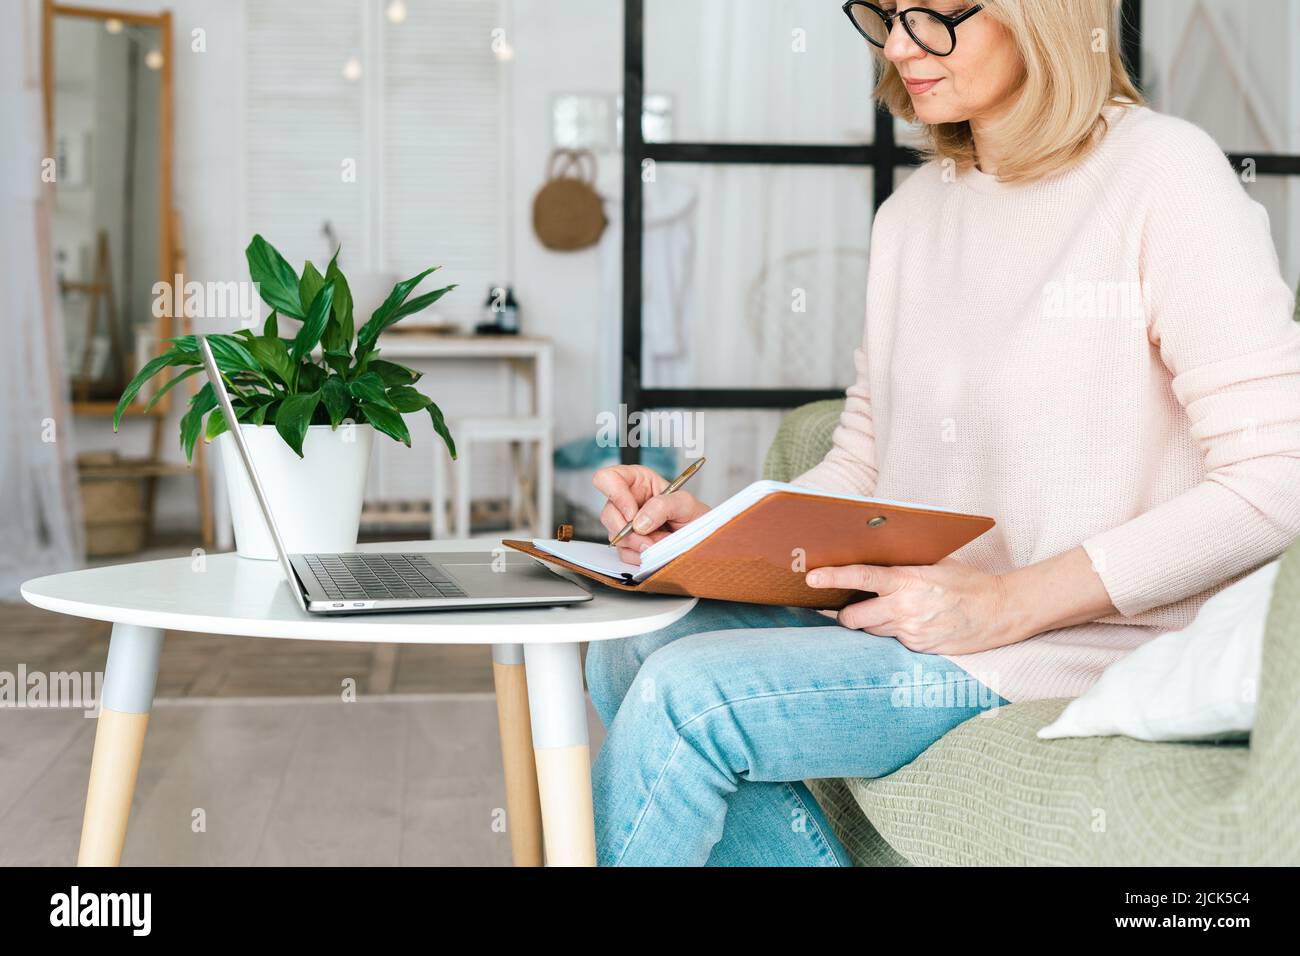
[381, 576]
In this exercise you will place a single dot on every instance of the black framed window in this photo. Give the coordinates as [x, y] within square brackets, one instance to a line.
[862, 172]
[881, 157]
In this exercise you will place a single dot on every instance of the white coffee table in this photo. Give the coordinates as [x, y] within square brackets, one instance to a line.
[535, 663]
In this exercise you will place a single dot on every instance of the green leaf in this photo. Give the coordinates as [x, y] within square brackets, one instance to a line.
[273, 355]
[363, 363]
[310, 284]
[170, 384]
[204, 401]
[369, 388]
[173, 356]
[272, 328]
[338, 360]
[389, 422]
[294, 417]
[232, 355]
[264, 411]
[313, 327]
[341, 328]
[394, 374]
[406, 399]
[277, 283]
[440, 426]
[383, 316]
[337, 401]
[419, 304]
[310, 377]
[217, 422]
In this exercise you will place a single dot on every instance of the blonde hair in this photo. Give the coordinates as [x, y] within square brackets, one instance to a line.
[1072, 69]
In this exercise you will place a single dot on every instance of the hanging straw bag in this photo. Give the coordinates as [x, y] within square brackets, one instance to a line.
[567, 212]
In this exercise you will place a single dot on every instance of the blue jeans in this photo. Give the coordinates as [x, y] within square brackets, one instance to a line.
[715, 721]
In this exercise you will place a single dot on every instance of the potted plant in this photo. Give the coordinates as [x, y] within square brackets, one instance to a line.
[308, 403]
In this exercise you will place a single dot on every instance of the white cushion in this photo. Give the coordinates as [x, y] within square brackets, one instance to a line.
[1195, 684]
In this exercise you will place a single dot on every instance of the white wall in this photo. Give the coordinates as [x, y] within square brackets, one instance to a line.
[574, 46]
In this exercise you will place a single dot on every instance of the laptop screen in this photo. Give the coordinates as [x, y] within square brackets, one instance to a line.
[232, 423]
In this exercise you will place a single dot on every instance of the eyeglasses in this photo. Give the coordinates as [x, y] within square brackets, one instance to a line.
[933, 32]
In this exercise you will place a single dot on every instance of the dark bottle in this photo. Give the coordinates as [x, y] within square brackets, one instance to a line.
[500, 312]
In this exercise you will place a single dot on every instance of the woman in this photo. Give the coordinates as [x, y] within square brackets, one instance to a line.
[1076, 324]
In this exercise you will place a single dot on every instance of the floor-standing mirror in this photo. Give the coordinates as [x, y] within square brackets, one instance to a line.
[108, 92]
[109, 82]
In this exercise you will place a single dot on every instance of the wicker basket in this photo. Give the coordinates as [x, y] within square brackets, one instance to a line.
[113, 508]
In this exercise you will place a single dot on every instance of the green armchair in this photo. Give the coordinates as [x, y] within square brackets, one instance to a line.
[991, 793]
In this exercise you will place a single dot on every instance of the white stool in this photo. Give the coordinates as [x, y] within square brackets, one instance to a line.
[532, 480]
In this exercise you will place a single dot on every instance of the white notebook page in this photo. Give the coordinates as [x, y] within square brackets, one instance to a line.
[604, 559]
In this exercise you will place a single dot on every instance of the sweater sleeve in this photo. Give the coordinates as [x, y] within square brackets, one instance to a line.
[850, 465]
[1221, 315]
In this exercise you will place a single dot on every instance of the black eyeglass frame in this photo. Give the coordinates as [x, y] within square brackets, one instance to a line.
[951, 22]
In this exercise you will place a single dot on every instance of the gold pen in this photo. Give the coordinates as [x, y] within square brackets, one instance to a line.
[672, 486]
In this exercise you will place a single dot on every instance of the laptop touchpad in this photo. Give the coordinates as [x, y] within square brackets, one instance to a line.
[513, 579]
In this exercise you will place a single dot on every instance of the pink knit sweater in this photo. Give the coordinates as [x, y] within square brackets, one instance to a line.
[1103, 358]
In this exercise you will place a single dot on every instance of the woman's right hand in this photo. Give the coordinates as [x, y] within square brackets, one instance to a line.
[636, 492]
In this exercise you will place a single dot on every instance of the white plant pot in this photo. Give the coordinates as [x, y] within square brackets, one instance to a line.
[316, 500]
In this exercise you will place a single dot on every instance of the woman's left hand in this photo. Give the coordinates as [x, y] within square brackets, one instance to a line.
[944, 608]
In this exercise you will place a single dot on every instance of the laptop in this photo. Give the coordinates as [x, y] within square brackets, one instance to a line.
[370, 581]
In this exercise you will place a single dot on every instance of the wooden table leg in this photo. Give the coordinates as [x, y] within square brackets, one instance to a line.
[559, 718]
[129, 678]
[523, 811]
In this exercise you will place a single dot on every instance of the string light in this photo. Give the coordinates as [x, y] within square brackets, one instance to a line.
[396, 12]
[352, 69]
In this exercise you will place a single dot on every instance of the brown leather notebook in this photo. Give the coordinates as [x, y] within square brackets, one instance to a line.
[760, 555]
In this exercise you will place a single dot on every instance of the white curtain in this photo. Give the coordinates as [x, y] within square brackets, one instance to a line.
[40, 518]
